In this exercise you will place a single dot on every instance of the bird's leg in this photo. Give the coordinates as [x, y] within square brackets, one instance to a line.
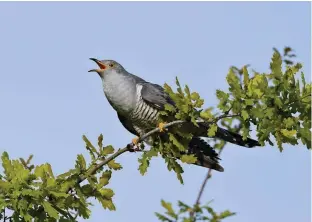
[135, 140]
[161, 126]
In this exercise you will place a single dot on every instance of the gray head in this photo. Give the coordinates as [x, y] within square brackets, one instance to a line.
[107, 67]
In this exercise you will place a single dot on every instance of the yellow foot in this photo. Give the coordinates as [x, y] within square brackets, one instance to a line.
[135, 140]
[161, 126]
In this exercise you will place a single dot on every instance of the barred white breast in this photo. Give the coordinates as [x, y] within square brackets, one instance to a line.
[143, 116]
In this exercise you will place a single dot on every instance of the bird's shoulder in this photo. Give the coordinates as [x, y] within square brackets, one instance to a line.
[155, 95]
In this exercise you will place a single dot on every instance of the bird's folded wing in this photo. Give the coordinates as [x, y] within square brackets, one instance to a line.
[155, 96]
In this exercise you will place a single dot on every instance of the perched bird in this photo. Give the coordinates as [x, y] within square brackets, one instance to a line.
[138, 103]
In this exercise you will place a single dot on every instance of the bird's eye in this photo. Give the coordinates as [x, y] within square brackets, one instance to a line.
[111, 65]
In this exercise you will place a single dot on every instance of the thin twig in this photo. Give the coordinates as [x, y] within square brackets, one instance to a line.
[209, 174]
[202, 188]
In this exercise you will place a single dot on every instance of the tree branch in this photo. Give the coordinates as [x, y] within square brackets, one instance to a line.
[225, 116]
[104, 162]
[201, 191]
[143, 137]
[125, 149]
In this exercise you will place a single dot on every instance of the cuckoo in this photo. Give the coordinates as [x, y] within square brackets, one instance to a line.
[138, 103]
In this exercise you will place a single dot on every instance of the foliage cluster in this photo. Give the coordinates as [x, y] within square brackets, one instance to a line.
[276, 104]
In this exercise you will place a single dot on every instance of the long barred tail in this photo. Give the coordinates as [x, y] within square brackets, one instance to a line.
[235, 138]
[206, 155]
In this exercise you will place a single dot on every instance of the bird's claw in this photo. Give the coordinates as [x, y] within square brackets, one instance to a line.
[161, 126]
[135, 145]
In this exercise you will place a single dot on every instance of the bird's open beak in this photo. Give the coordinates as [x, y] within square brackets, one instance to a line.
[99, 63]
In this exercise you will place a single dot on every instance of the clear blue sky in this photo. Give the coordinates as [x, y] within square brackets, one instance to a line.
[48, 99]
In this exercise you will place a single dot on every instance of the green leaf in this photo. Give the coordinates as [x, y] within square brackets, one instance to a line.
[107, 193]
[222, 95]
[257, 112]
[246, 76]
[184, 207]
[169, 107]
[100, 141]
[144, 163]
[163, 218]
[4, 185]
[207, 115]
[172, 164]
[276, 65]
[81, 162]
[289, 122]
[278, 102]
[245, 130]
[195, 96]
[226, 214]
[249, 102]
[176, 142]
[89, 147]
[187, 91]
[108, 150]
[107, 203]
[179, 87]
[245, 114]
[269, 112]
[50, 210]
[40, 172]
[59, 194]
[212, 130]
[29, 159]
[180, 178]
[168, 207]
[6, 164]
[113, 165]
[104, 179]
[152, 152]
[288, 133]
[188, 158]
[87, 190]
[305, 136]
[48, 169]
[234, 83]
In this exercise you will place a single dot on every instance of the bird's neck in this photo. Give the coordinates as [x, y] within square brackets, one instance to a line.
[118, 89]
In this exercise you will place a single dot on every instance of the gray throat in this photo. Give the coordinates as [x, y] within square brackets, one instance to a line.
[120, 91]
